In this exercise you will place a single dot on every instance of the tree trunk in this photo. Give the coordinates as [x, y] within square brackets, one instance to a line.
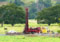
[12, 24]
[49, 24]
[38, 21]
[2, 24]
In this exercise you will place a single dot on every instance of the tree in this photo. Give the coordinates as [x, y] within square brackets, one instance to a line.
[47, 3]
[38, 6]
[49, 15]
[41, 5]
[2, 13]
[2, 0]
[32, 11]
[18, 2]
[13, 14]
[58, 2]
[58, 21]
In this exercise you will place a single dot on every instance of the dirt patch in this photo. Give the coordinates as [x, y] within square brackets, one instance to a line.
[57, 35]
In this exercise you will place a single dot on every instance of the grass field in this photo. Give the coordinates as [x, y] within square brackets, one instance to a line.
[25, 38]
[32, 23]
[28, 39]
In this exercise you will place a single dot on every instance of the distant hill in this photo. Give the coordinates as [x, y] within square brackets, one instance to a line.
[3, 3]
[33, 6]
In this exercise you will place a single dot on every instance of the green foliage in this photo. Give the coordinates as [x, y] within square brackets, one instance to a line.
[50, 15]
[28, 38]
[58, 31]
[2, 0]
[32, 11]
[41, 5]
[18, 2]
[33, 5]
[12, 14]
[47, 3]
[59, 24]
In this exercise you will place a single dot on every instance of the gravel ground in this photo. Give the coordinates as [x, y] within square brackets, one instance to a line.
[2, 34]
[45, 34]
[36, 34]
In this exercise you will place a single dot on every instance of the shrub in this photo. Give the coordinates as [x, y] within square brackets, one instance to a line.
[58, 31]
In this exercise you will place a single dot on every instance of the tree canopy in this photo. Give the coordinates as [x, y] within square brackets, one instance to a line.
[2, 0]
[50, 15]
[12, 14]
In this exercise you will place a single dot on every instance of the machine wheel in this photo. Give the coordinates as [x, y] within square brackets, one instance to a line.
[25, 32]
[32, 32]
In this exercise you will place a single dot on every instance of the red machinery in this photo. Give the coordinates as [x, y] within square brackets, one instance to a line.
[28, 30]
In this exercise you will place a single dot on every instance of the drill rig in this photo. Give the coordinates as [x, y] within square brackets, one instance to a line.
[28, 30]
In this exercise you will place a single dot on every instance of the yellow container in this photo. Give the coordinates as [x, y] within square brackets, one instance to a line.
[44, 30]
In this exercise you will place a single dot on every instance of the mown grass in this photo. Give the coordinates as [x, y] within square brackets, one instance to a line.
[32, 23]
[20, 27]
[25, 38]
[22, 38]
[17, 27]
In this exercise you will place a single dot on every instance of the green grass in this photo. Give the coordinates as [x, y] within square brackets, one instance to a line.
[17, 27]
[25, 38]
[20, 27]
[28, 39]
[32, 23]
